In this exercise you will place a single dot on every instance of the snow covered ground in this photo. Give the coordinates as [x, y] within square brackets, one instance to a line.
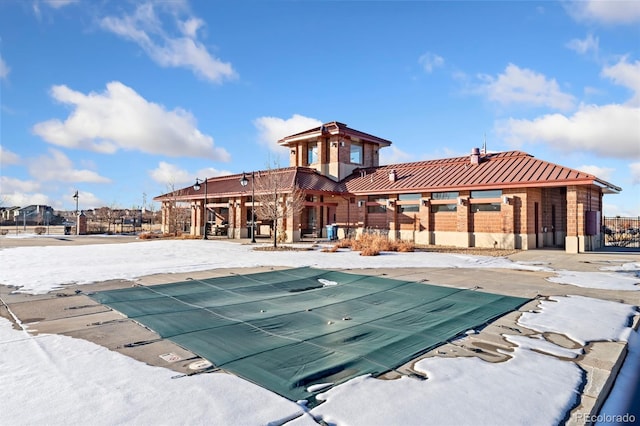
[57, 379]
[38, 270]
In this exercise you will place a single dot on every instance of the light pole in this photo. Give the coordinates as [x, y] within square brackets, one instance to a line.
[76, 197]
[244, 181]
[196, 187]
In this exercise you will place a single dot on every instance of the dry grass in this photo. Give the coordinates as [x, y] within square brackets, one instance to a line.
[372, 245]
[282, 248]
[473, 251]
[178, 236]
[149, 236]
[369, 251]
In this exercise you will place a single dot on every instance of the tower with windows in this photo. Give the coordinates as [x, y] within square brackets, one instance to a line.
[334, 150]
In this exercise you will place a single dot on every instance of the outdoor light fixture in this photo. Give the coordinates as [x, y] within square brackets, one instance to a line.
[76, 197]
[196, 187]
[244, 181]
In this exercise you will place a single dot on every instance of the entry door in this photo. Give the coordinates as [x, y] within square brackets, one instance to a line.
[311, 219]
[553, 224]
[331, 215]
[536, 222]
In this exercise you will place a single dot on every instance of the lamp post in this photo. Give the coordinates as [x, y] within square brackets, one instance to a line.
[196, 187]
[244, 181]
[76, 197]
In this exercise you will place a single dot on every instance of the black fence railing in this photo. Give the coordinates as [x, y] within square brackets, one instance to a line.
[621, 231]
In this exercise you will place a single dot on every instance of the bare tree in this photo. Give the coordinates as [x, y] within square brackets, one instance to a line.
[178, 213]
[277, 197]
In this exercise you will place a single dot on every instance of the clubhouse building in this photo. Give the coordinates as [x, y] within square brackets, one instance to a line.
[507, 200]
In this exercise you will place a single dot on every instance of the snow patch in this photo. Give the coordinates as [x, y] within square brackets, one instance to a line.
[602, 280]
[582, 319]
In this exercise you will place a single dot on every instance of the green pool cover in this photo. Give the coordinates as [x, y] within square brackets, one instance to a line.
[287, 330]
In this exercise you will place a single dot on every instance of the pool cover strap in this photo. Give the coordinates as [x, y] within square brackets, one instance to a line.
[287, 330]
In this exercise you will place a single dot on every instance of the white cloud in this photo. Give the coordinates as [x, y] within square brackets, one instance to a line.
[86, 200]
[600, 172]
[145, 28]
[589, 44]
[626, 74]
[523, 86]
[429, 61]
[9, 184]
[58, 167]
[609, 130]
[120, 118]
[4, 69]
[191, 26]
[25, 199]
[170, 174]
[7, 157]
[57, 4]
[272, 129]
[611, 210]
[17, 192]
[393, 155]
[634, 169]
[605, 11]
[210, 172]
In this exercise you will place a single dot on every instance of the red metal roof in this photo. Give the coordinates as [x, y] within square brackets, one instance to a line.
[513, 169]
[229, 185]
[334, 128]
[494, 171]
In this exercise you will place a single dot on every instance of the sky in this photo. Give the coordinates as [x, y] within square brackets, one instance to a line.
[124, 100]
[59, 379]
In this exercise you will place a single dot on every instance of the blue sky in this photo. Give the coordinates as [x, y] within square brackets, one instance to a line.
[121, 100]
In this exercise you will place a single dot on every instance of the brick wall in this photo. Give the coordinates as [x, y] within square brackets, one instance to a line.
[377, 221]
[443, 221]
[487, 221]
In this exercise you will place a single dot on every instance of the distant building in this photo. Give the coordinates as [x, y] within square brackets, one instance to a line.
[34, 214]
[508, 200]
[8, 213]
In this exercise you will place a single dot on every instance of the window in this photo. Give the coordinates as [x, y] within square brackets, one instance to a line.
[491, 193]
[485, 207]
[443, 208]
[312, 153]
[381, 208]
[356, 153]
[451, 195]
[409, 208]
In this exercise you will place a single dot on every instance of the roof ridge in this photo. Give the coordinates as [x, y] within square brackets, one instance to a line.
[501, 155]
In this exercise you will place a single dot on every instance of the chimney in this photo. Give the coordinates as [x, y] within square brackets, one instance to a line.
[392, 175]
[475, 156]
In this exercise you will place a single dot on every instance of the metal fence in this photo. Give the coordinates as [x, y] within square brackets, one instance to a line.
[621, 231]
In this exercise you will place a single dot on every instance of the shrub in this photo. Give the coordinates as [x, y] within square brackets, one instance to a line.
[39, 230]
[405, 246]
[346, 243]
[371, 244]
[331, 249]
[369, 251]
[149, 236]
